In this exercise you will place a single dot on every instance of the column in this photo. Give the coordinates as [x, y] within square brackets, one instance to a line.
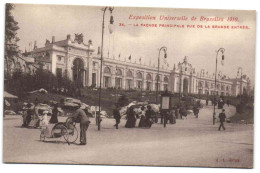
[113, 81]
[90, 71]
[190, 84]
[53, 62]
[153, 88]
[134, 80]
[113, 77]
[144, 81]
[124, 79]
[69, 67]
[84, 77]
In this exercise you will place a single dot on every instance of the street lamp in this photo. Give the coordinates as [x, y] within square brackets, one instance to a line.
[222, 50]
[240, 69]
[116, 87]
[101, 57]
[220, 81]
[157, 80]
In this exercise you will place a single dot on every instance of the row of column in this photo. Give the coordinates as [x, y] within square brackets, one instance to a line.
[134, 79]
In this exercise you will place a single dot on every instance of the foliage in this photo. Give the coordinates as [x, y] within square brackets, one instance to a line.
[11, 39]
[122, 101]
[247, 116]
[21, 83]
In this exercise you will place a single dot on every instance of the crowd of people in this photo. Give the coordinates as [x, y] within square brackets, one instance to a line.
[33, 116]
[147, 116]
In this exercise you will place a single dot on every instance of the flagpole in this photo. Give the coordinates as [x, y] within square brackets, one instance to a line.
[214, 113]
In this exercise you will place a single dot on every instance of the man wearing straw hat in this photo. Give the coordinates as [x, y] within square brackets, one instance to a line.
[81, 117]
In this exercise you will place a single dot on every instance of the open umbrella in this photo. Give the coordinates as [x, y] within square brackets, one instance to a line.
[8, 95]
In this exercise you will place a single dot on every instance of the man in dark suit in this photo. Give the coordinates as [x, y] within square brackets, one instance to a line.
[117, 116]
[222, 118]
[81, 117]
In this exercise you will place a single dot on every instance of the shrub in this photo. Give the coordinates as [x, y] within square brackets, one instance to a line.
[40, 79]
[122, 101]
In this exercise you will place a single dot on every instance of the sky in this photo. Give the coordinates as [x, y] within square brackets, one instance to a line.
[41, 22]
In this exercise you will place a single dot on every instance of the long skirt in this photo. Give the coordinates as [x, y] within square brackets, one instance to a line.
[130, 123]
[142, 122]
[54, 119]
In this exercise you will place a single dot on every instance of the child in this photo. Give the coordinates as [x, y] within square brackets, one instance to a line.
[44, 125]
[44, 119]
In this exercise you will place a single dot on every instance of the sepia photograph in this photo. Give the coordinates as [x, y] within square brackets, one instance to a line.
[128, 86]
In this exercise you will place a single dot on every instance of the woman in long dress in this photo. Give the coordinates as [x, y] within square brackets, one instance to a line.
[54, 117]
[148, 115]
[142, 119]
[130, 123]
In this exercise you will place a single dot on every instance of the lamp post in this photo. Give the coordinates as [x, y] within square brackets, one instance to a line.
[157, 78]
[101, 58]
[241, 80]
[220, 81]
[116, 87]
[222, 50]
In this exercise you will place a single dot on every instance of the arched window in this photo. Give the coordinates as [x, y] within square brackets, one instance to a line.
[207, 85]
[200, 84]
[78, 67]
[107, 70]
[129, 73]
[139, 75]
[148, 77]
[166, 79]
[157, 77]
[119, 72]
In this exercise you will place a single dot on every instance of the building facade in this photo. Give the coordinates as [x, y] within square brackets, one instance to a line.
[79, 62]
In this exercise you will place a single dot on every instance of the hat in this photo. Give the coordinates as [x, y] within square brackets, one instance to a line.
[29, 105]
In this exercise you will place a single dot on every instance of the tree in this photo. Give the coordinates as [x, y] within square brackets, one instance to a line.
[11, 39]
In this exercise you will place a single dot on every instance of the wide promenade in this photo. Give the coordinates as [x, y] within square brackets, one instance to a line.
[189, 142]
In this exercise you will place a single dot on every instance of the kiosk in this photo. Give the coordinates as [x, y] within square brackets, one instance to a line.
[166, 106]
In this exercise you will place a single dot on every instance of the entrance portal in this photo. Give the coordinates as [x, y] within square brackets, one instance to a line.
[185, 86]
[78, 71]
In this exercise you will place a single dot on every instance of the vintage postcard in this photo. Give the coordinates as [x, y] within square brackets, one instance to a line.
[129, 86]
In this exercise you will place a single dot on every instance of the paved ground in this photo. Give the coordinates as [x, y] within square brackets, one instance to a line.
[190, 142]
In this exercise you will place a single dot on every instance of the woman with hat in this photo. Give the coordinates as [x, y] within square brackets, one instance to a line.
[130, 123]
[142, 119]
[54, 117]
[28, 115]
[148, 115]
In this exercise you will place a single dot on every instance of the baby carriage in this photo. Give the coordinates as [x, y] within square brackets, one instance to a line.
[66, 129]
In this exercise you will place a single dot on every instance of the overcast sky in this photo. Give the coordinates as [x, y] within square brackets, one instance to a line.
[41, 22]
